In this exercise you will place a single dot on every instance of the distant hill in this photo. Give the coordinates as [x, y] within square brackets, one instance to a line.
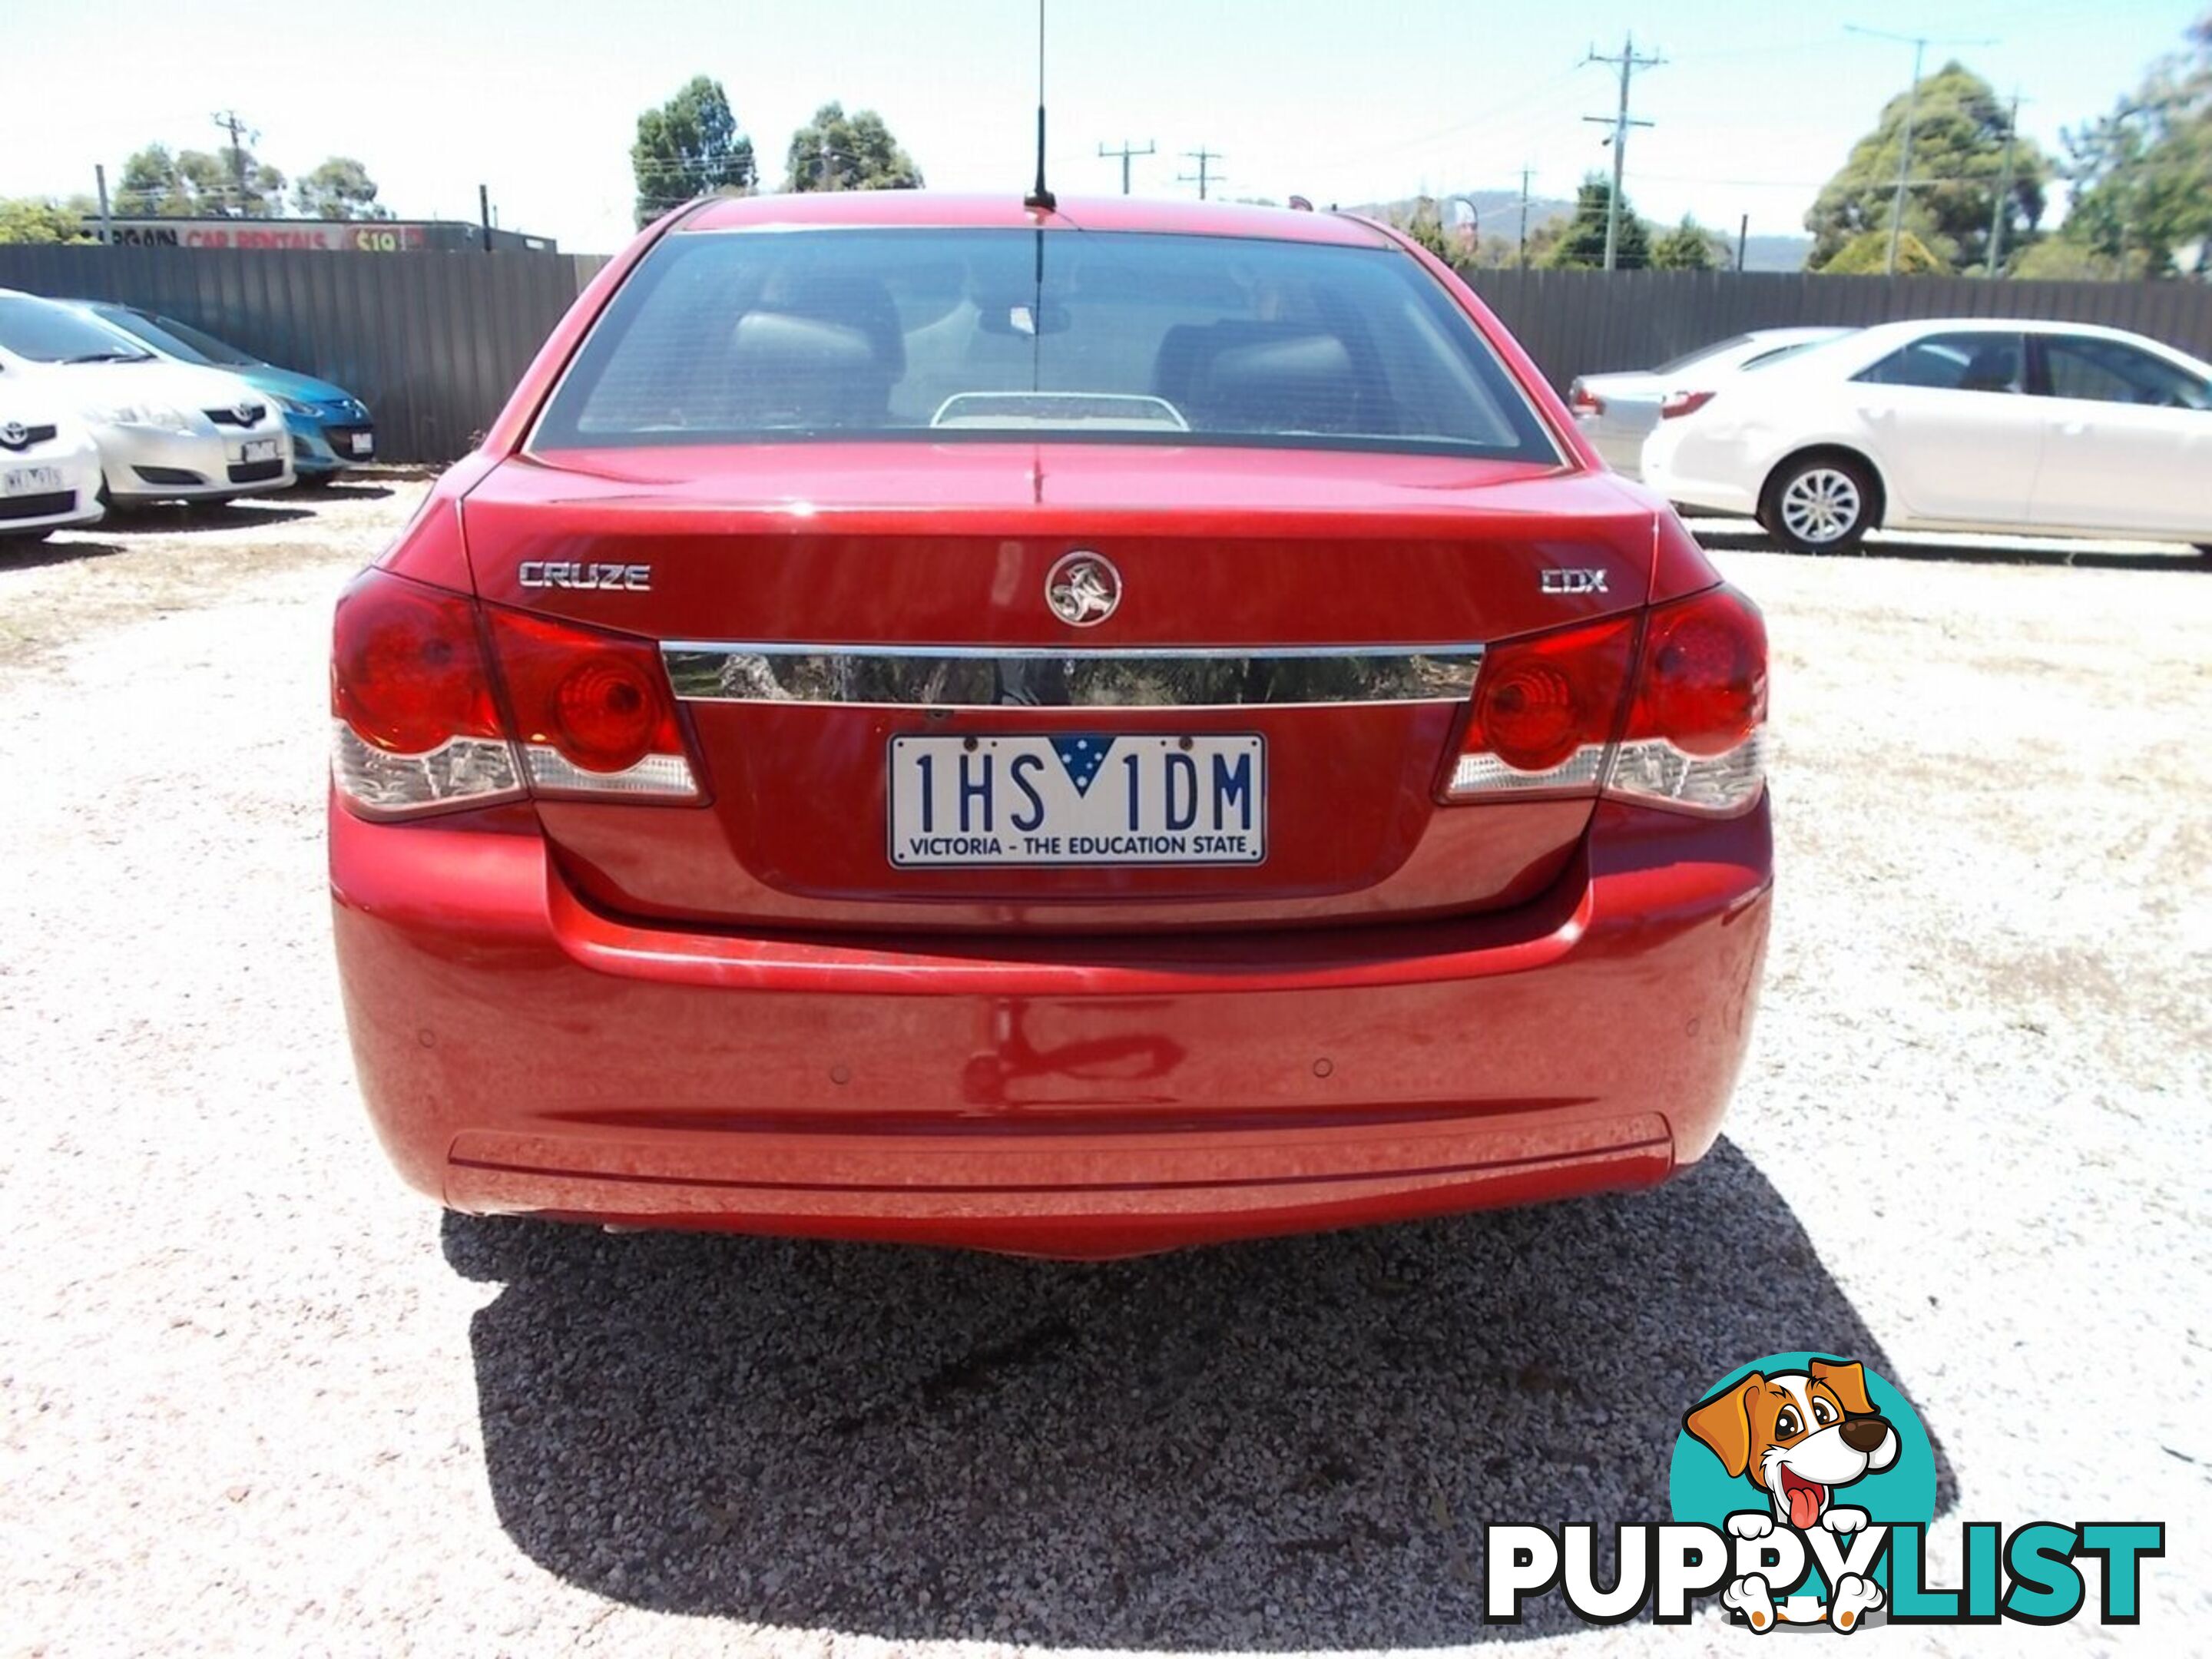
[1497, 212]
[1497, 217]
[1775, 252]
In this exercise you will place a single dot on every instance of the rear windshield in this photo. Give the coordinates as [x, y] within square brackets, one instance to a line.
[742, 337]
[1703, 352]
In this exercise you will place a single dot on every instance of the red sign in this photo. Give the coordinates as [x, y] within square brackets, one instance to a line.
[331, 236]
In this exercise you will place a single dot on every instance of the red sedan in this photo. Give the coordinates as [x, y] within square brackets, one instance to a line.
[1073, 731]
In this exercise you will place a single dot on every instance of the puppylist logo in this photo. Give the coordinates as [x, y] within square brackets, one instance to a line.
[1803, 1489]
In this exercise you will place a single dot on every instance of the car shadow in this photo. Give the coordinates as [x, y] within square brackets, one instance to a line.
[16, 555]
[343, 489]
[198, 519]
[1292, 1444]
[1748, 538]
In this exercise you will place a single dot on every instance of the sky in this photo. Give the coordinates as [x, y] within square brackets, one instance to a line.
[1754, 106]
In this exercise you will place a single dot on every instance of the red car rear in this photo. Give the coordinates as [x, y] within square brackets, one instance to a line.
[1072, 732]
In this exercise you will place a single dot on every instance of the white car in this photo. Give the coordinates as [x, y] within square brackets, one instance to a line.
[48, 464]
[166, 431]
[1989, 425]
[1618, 411]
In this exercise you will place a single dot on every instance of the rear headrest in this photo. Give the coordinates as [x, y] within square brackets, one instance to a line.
[1260, 376]
[786, 369]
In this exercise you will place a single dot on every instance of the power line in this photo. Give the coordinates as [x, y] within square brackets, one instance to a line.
[1628, 63]
[234, 123]
[1205, 175]
[1997, 214]
[1920, 43]
[1127, 150]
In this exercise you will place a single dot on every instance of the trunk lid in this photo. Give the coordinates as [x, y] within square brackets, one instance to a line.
[1304, 619]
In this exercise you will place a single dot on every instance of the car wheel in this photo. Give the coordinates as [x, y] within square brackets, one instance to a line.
[1819, 504]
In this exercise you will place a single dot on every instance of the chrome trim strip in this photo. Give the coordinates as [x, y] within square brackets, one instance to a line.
[1049, 676]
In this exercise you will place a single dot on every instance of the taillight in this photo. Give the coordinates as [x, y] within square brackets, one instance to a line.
[1557, 713]
[419, 726]
[1582, 401]
[1544, 709]
[414, 726]
[593, 711]
[1696, 734]
[1682, 402]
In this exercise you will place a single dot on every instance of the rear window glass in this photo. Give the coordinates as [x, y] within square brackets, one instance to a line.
[741, 337]
[1689, 358]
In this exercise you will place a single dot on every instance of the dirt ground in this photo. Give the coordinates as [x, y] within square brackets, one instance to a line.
[254, 1395]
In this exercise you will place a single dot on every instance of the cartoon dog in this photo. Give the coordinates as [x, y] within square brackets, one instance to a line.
[1798, 1436]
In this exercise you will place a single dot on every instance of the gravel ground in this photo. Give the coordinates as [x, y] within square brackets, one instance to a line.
[254, 1395]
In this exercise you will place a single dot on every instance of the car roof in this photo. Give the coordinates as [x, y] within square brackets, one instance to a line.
[945, 210]
[1913, 327]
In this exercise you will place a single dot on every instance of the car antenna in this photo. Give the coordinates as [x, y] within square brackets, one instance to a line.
[1041, 198]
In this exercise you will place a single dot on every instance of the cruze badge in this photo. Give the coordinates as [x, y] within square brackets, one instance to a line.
[1560, 580]
[1082, 589]
[564, 572]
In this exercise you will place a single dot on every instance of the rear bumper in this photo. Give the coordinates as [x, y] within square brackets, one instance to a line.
[521, 1053]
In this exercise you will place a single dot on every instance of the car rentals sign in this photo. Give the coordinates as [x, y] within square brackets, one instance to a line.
[330, 236]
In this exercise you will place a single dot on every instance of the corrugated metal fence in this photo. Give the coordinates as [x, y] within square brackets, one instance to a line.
[434, 342]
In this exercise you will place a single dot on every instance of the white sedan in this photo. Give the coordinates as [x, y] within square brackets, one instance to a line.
[166, 431]
[1988, 425]
[1617, 411]
[48, 464]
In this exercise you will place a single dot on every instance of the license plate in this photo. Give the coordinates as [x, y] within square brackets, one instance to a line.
[363, 443]
[258, 449]
[30, 480]
[1078, 798]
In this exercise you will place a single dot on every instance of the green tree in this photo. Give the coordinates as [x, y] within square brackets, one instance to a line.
[835, 151]
[1581, 245]
[1867, 254]
[2142, 175]
[151, 185]
[339, 189]
[1689, 246]
[40, 218]
[690, 146]
[1424, 224]
[2062, 258]
[1960, 130]
[196, 184]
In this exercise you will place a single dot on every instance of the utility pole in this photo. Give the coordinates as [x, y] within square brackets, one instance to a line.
[1919, 43]
[2004, 191]
[106, 226]
[1521, 251]
[1628, 63]
[483, 214]
[1205, 174]
[234, 123]
[1742, 236]
[1127, 150]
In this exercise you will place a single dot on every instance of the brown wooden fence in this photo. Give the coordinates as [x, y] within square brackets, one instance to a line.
[432, 342]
